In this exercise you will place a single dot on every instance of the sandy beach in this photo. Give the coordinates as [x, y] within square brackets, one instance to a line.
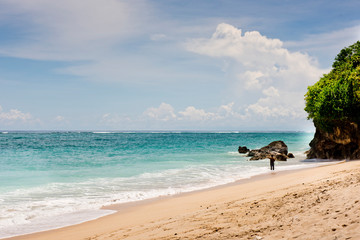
[316, 203]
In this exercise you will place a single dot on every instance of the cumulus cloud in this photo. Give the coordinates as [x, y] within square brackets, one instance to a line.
[275, 106]
[271, 92]
[109, 119]
[252, 79]
[164, 112]
[270, 79]
[13, 116]
[227, 116]
[193, 114]
[59, 118]
[260, 61]
[228, 41]
[226, 110]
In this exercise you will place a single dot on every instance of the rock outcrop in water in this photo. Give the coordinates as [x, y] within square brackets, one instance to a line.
[343, 142]
[243, 149]
[276, 149]
[290, 155]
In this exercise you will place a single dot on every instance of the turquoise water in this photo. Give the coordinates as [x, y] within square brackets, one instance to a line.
[50, 175]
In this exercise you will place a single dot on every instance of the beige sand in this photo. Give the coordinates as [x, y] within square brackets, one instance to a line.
[317, 203]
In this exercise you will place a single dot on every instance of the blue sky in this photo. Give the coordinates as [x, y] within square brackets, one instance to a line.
[166, 64]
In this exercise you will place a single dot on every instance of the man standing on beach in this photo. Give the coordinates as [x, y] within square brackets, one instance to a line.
[272, 162]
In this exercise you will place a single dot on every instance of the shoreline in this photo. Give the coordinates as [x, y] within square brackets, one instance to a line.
[114, 208]
[178, 204]
[262, 176]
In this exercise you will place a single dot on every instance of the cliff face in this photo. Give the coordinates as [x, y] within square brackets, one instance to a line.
[343, 142]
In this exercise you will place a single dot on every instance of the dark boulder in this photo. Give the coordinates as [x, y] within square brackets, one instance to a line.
[256, 155]
[280, 157]
[252, 153]
[243, 149]
[278, 149]
[276, 146]
[290, 155]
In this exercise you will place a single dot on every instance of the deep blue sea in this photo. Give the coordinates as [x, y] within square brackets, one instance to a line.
[53, 179]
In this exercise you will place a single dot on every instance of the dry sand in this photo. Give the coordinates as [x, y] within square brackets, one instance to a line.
[317, 203]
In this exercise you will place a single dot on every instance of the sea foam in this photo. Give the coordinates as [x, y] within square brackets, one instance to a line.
[53, 179]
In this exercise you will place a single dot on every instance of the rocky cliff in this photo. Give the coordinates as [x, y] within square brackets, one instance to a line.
[340, 142]
[334, 105]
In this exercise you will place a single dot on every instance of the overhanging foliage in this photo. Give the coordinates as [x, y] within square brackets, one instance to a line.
[336, 96]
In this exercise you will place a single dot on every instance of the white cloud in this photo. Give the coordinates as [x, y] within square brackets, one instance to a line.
[287, 106]
[59, 118]
[13, 116]
[266, 113]
[109, 119]
[270, 79]
[259, 61]
[226, 110]
[271, 92]
[228, 41]
[164, 112]
[193, 114]
[252, 79]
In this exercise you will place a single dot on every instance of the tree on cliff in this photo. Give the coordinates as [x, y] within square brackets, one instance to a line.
[335, 98]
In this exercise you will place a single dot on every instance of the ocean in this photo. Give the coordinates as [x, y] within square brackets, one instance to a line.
[54, 179]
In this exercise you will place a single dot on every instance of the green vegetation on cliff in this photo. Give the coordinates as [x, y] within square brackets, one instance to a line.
[335, 98]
